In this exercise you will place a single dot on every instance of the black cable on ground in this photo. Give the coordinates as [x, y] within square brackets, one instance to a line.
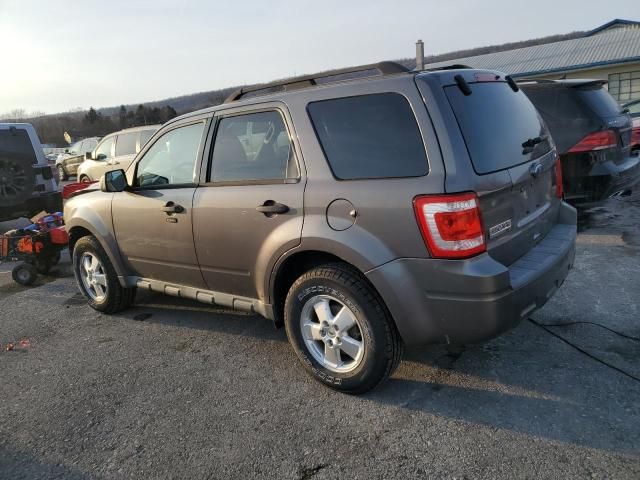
[584, 352]
[564, 324]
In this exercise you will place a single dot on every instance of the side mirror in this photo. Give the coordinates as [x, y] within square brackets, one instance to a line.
[88, 155]
[114, 181]
[100, 157]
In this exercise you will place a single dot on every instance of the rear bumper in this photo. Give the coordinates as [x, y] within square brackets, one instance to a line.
[605, 179]
[467, 301]
[49, 202]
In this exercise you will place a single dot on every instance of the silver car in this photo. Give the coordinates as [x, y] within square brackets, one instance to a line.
[115, 151]
[67, 163]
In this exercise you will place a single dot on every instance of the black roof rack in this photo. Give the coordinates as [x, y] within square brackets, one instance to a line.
[453, 66]
[385, 68]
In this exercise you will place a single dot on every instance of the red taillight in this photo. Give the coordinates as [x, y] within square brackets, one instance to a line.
[450, 224]
[635, 136]
[559, 188]
[596, 141]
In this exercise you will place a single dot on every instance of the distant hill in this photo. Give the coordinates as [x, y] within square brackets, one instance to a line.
[51, 127]
[196, 101]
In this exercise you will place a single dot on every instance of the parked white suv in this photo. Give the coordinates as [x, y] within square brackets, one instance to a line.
[115, 151]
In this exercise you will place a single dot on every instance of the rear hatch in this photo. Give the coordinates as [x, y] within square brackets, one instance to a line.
[513, 161]
[611, 116]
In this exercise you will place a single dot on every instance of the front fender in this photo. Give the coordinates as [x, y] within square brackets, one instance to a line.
[92, 212]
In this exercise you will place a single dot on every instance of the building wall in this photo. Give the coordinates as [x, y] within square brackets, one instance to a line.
[603, 73]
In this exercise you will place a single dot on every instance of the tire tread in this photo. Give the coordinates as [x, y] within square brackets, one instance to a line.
[358, 285]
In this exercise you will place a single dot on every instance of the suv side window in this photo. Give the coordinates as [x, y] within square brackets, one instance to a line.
[145, 135]
[88, 145]
[104, 149]
[171, 160]
[369, 136]
[126, 144]
[253, 147]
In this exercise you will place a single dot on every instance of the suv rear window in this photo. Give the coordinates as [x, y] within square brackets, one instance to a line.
[495, 121]
[600, 101]
[369, 136]
[15, 145]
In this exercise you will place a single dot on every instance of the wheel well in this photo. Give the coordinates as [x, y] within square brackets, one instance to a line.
[292, 268]
[76, 234]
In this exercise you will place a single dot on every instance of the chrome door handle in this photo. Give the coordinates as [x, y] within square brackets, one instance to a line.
[171, 207]
[271, 207]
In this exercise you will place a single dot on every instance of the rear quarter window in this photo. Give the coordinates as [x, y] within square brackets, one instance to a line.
[369, 136]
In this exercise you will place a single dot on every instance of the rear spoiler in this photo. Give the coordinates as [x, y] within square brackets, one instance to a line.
[578, 83]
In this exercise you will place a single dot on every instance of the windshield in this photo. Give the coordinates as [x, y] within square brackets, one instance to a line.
[501, 128]
[75, 148]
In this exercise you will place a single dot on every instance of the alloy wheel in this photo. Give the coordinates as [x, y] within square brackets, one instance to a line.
[93, 277]
[332, 333]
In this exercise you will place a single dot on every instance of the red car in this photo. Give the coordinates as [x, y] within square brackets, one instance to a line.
[634, 110]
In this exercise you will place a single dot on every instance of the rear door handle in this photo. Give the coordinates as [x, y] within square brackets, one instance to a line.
[270, 207]
[171, 207]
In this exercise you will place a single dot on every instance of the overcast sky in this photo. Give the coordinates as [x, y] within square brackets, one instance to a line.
[60, 55]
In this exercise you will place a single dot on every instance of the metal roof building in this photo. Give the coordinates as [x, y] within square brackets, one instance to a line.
[610, 52]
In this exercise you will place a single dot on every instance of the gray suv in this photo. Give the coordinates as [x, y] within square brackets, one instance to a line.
[363, 214]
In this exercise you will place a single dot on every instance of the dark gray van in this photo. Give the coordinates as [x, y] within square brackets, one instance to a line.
[398, 207]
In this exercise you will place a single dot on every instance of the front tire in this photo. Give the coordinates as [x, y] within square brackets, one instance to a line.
[84, 179]
[341, 330]
[97, 279]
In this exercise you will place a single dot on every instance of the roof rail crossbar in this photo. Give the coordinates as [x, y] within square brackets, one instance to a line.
[385, 68]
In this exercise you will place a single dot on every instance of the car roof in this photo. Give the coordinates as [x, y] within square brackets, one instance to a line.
[137, 129]
[301, 85]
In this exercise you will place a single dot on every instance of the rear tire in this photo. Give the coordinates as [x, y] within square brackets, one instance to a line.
[97, 279]
[333, 307]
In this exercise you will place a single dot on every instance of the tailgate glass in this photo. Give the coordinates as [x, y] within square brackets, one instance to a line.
[496, 124]
[15, 145]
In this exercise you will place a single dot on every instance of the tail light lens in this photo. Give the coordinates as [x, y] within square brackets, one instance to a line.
[559, 188]
[450, 224]
[595, 141]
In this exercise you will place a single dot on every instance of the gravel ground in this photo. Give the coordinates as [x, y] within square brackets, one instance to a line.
[173, 389]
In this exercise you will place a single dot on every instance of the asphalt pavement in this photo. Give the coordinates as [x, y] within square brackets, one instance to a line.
[175, 389]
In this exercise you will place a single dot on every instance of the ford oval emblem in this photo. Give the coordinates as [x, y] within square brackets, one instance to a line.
[535, 169]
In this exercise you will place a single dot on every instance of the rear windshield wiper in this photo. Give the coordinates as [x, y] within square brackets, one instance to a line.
[532, 142]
